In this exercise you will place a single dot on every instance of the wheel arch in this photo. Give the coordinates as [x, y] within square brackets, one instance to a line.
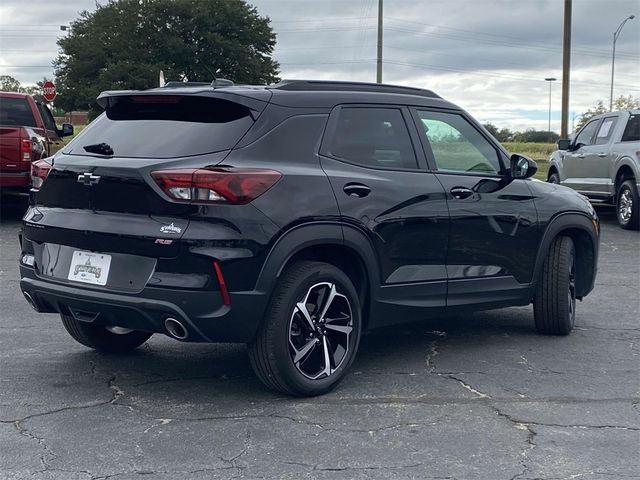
[552, 169]
[624, 172]
[580, 228]
[344, 247]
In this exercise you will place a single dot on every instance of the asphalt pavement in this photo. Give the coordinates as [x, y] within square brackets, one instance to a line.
[475, 397]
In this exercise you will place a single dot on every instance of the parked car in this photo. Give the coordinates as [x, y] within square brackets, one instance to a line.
[28, 132]
[603, 162]
[293, 217]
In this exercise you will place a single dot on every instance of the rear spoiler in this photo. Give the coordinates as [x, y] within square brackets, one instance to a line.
[254, 99]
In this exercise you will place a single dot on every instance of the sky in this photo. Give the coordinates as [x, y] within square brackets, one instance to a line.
[488, 56]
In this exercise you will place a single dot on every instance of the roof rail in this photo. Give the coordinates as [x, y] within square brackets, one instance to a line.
[329, 85]
[185, 84]
[216, 83]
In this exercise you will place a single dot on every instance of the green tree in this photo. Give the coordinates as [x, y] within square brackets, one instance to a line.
[620, 103]
[502, 134]
[9, 84]
[536, 136]
[124, 45]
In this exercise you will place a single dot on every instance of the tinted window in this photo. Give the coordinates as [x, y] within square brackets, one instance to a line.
[606, 130]
[47, 117]
[16, 111]
[457, 146]
[166, 127]
[632, 130]
[373, 137]
[585, 136]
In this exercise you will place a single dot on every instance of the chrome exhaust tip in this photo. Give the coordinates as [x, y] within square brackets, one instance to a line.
[30, 300]
[176, 329]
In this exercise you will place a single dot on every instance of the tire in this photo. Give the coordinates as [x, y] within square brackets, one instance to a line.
[554, 305]
[100, 338]
[286, 332]
[554, 178]
[628, 206]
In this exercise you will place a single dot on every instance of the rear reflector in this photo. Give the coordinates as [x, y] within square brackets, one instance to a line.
[39, 172]
[234, 186]
[226, 299]
[25, 150]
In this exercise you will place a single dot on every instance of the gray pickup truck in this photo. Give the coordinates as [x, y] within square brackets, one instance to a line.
[602, 162]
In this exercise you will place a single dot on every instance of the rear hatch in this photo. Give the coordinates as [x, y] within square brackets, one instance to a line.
[99, 194]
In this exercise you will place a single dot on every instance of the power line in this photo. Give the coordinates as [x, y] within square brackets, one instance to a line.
[509, 37]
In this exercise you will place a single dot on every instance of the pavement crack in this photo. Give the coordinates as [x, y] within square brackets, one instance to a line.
[464, 384]
[433, 349]
[49, 454]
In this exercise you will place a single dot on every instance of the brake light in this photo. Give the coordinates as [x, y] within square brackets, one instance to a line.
[39, 172]
[25, 150]
[235, 186]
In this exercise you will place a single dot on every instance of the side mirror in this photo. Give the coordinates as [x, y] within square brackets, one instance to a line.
[67, 130]
[522, 167]
[564, 144]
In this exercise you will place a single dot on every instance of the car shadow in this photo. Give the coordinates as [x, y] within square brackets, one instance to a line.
[205, 373]
[12, 208]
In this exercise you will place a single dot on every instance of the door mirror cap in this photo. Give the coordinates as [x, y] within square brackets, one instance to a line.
[564, 144]
[67, 130]
[522, 167]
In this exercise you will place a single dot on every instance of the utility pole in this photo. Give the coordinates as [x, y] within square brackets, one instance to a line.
[379, 57]
[566, 66]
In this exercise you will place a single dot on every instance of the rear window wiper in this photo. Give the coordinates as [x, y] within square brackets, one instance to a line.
[99, 148]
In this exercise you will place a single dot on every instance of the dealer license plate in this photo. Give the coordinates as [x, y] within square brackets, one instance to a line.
[89, 267]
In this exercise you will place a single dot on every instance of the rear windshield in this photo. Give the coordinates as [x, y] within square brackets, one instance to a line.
[16, 111]
[166, 127]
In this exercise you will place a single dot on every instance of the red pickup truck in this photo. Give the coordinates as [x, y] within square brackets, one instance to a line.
[28, 132]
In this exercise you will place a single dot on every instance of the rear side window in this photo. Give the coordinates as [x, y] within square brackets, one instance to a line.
[632, 130]
[606, 130]
[16, 111]
[373, 137]
[148, 126]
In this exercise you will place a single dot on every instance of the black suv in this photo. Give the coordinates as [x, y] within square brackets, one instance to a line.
[293, 217]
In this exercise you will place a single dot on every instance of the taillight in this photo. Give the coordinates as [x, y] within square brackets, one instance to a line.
[39, 172]
[25, 150]
[236, 186]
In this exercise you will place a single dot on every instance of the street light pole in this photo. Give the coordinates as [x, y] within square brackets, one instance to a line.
[616, 34]
[550, 80]
[379, 55]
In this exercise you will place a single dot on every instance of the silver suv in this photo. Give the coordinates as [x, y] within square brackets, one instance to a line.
[602, 162]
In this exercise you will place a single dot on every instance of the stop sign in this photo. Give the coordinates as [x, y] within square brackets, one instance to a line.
[49, 90]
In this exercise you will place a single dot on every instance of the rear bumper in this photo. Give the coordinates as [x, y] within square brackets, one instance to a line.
[202, 313]
[15, 180]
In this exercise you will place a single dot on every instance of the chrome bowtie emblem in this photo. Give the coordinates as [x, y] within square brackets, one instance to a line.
[88, 179]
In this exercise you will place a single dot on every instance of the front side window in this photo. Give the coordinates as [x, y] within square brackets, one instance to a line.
[606, 130]
[585, 137]
[457, 146]
[374, 138]
[632, 130]
[47, 117]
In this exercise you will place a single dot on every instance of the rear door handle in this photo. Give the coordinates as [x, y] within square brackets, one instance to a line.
[602, 154]
[460, 193]
[356, 190]
[580, 155]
